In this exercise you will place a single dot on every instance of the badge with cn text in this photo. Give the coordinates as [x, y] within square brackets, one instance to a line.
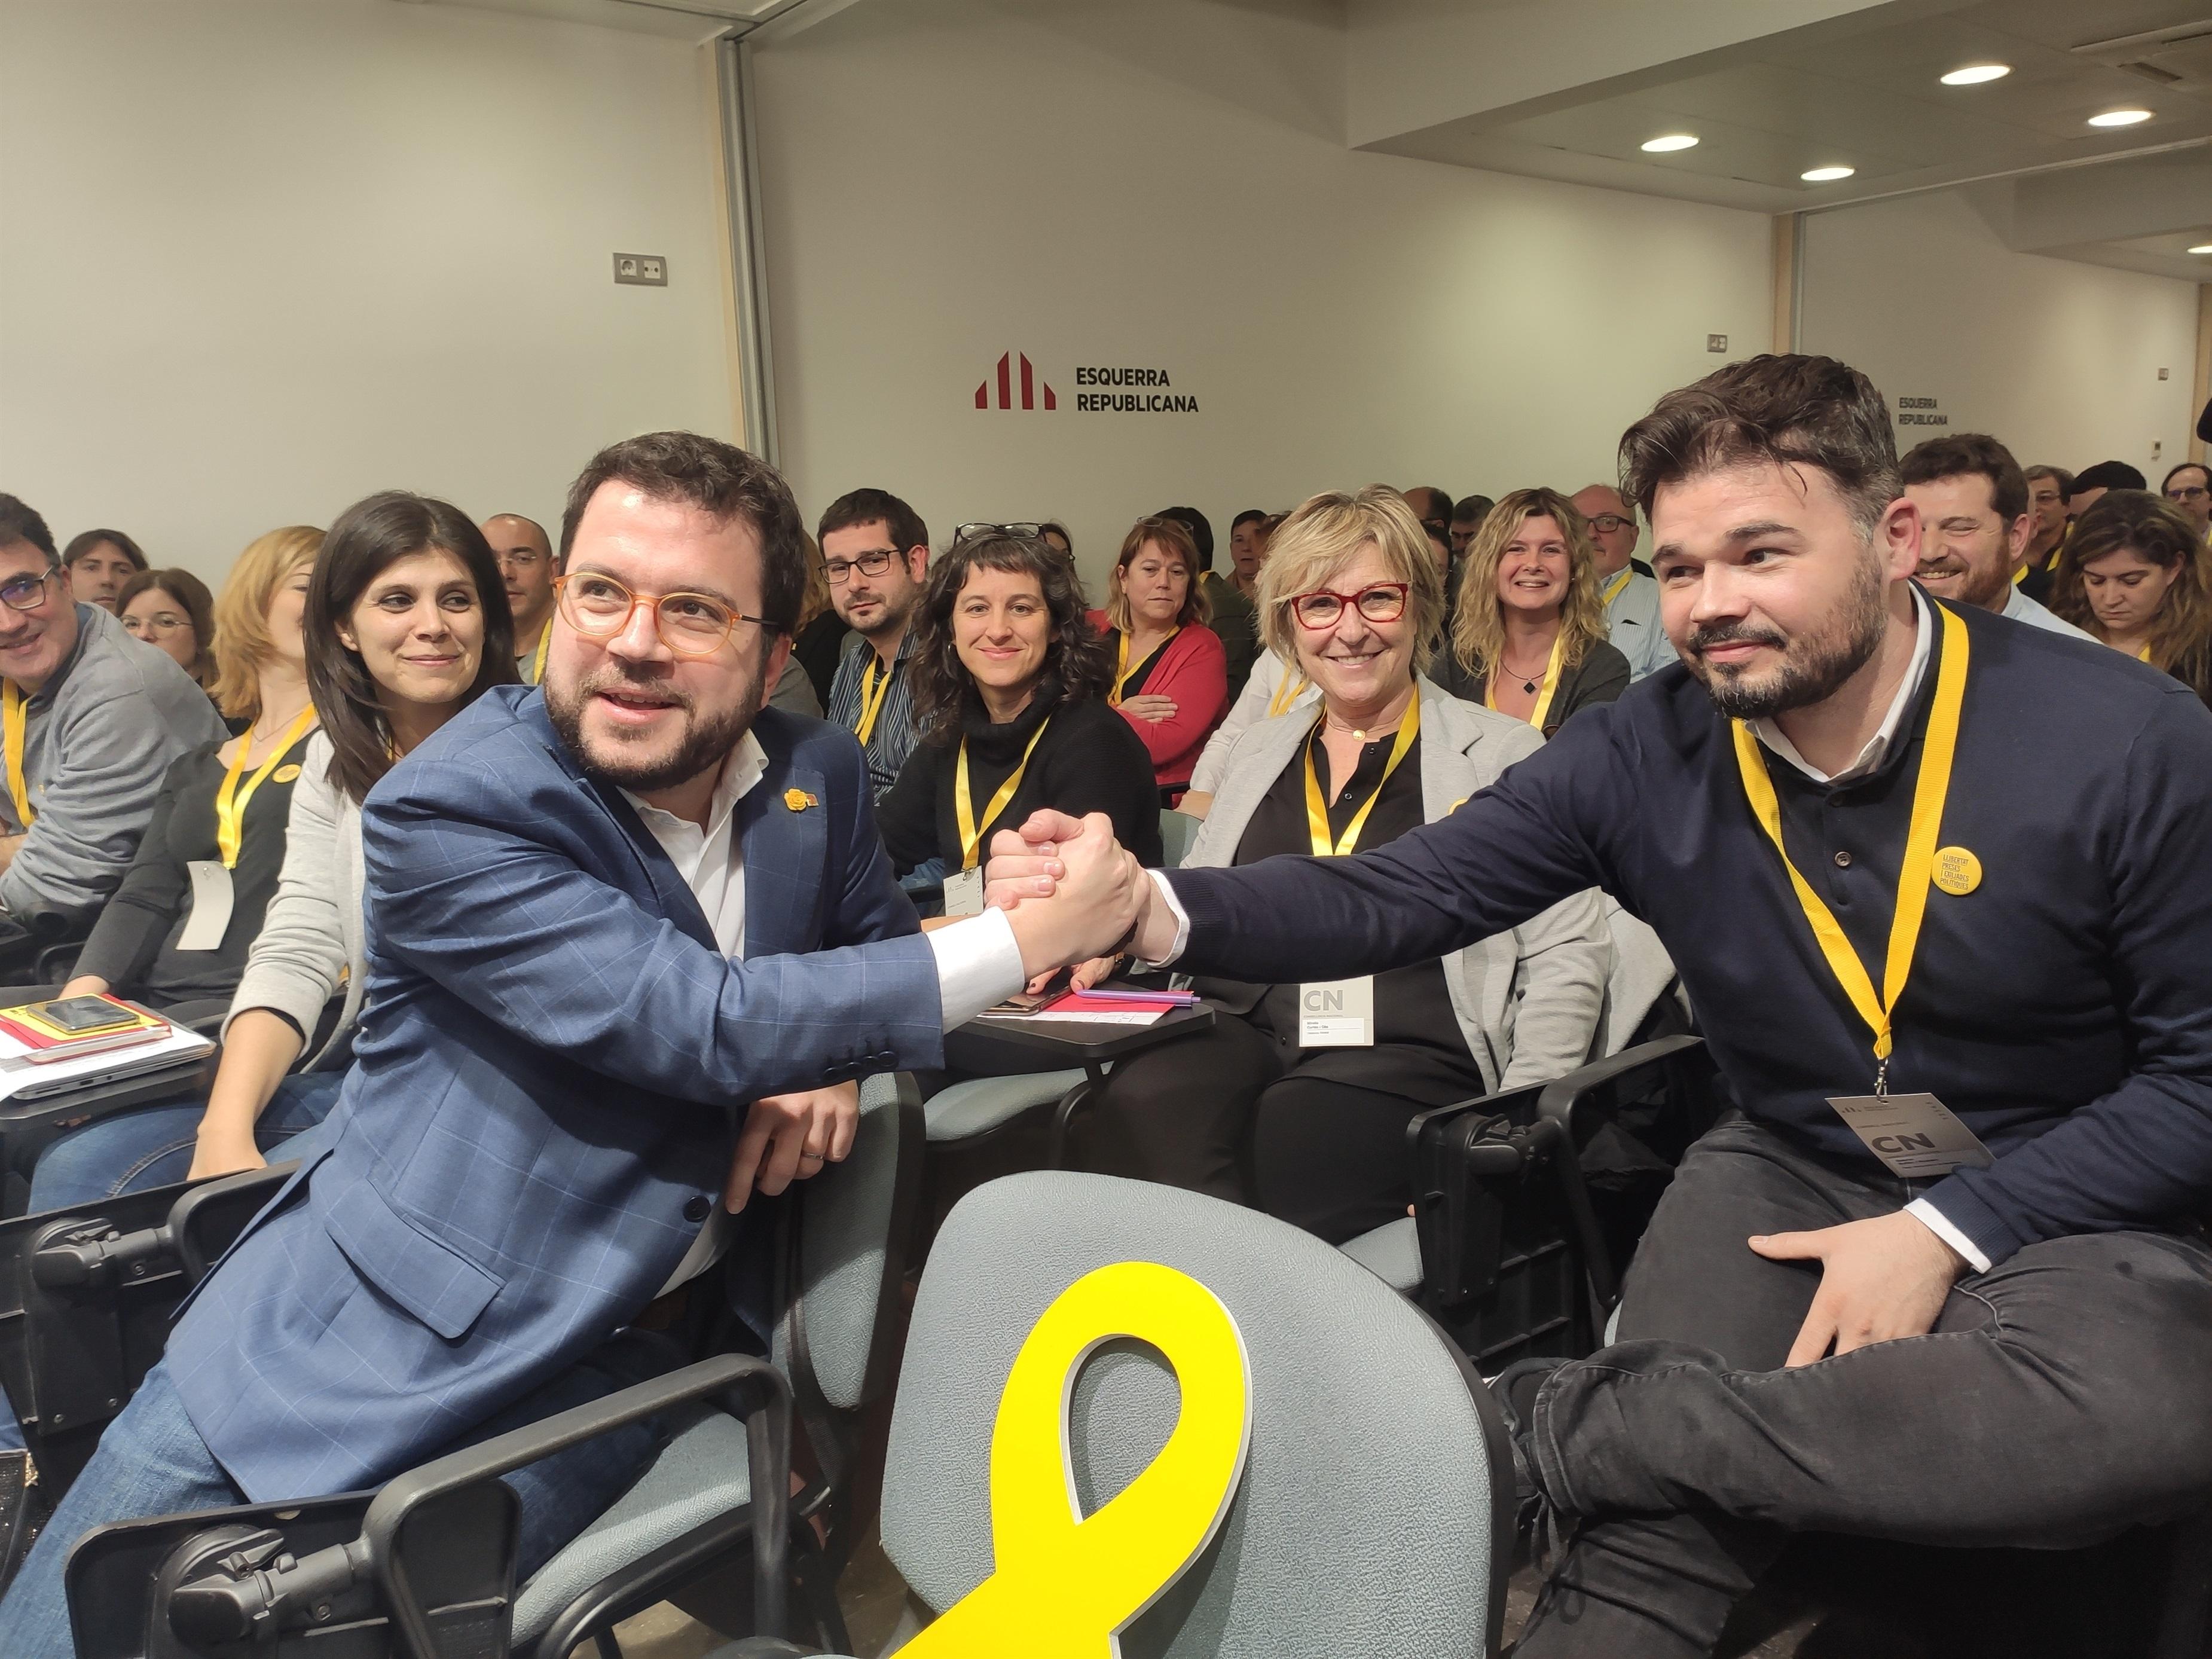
[1918, 1136]
[1957, 871]
[798, 800]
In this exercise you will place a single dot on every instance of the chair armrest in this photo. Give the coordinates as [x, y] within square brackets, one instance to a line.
[1645, 1063]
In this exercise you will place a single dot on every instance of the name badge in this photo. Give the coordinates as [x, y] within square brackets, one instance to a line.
[964, 893]
[211, 900]
[1337, 1013]
[1917, 1135]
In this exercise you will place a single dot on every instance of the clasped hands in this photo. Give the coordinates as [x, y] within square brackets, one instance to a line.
[1072, 894]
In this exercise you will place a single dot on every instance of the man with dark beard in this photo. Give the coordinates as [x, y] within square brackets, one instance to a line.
[1975, 522]
[1939, 888]
[630, 943]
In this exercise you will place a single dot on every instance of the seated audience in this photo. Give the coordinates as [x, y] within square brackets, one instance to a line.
[1467, 518]
[1248, 549]
[173, 611]
[1528, 632]
[1170, 680]
[2189, 487]
[1055, 537]
[2091, 483]
[92, 723]
[526, 567]
[1229, 612]
[875, 550]
[820, 642]
[2048, 486]
[2137, 576]
[1974, 525]
[1260, 1109]
[99, 563]
[1623, 581]
[405, 624]
[1009, 682]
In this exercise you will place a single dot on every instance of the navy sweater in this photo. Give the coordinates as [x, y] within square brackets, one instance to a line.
[2062, 1009]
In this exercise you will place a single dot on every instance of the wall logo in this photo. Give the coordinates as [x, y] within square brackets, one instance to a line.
[1030, 381]
[1920, 411]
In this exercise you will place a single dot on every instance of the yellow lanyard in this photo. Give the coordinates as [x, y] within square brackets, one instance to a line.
[2142, 655]
[1912, 878]
[11, 724]
[231, 801]
[1544, 696]
[1121, 670]
[1614, 588]
[1409, 727]
[1287, 694]
[963, 809]
[872, 700]
[538, 658]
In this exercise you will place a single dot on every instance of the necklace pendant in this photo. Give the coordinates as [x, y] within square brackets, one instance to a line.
[1529, 686]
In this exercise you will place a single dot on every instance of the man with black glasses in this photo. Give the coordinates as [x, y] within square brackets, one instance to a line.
[91, 720]
[1631, 596]
[875, 550]
[2189, 487]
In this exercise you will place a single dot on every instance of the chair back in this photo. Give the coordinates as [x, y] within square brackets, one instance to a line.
[1178, 831]
[1374, 1511]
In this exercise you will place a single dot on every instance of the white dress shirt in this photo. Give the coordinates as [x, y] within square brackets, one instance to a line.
[1633, 624]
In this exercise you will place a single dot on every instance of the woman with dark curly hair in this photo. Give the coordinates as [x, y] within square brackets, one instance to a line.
[2137, 574]
[1008, 693]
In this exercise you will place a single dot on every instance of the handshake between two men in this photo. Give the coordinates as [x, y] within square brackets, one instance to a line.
[1073, 894]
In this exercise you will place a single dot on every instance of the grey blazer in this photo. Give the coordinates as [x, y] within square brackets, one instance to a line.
[310, 942]
[1528, 1001]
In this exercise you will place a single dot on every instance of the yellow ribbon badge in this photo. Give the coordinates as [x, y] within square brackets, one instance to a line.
[798, 800]
[1066, 1584]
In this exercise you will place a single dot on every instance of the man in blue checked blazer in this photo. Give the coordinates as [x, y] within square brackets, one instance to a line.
[631, 941]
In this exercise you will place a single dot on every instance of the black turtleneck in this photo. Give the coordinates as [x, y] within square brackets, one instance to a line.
[1087, 761]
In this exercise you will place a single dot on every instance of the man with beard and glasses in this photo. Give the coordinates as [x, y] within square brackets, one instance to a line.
[1939, 888]
[630, 941]
[1975, 522]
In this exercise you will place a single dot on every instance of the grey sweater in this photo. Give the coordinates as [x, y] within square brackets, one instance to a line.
[98, 739]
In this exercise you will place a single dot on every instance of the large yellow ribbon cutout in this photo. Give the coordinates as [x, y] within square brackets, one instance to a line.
[1067, 1584]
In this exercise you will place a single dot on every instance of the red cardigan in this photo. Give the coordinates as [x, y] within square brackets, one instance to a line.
[1194, 672]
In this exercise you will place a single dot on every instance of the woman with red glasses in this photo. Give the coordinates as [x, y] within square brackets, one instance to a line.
[1296, 1099]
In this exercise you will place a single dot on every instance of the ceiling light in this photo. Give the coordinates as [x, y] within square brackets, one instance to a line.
[2120, 118]
[2201, 247]
[1827, 175]
[1974, 74]
[1660, 146]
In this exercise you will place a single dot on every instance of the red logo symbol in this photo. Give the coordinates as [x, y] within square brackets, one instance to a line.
[1030, 382]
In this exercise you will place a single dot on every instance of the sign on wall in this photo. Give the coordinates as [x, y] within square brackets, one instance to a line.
[1920, 411]
[1104, 389]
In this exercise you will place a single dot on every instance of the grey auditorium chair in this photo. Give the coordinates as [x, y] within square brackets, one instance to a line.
[1375, 1513]
[686, 1526]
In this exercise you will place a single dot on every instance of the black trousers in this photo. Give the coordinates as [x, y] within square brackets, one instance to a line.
[2059, 1400]
[1237, 1113]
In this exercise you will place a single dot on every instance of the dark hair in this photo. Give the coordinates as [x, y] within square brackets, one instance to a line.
[1472, 509]
[1201, 535]
[2186, 466]
[1249, 515]
[370, 537]
[2108, 475]
[81, 545]
[2135, 520]
[1076, 657]
[1436, 496]
[20, 522]
[1054, 527]
[2064, 479]
[1790, 410]
[875, 507]
[721, 481]
[1959, 454]
[190, 591]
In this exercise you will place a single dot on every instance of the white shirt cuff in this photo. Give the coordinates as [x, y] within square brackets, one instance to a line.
[978, 965]
[1932, 1219]
[1181, 917]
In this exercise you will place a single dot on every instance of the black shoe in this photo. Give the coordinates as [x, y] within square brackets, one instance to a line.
[1515, 1389]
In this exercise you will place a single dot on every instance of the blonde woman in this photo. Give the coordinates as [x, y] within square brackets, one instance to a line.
[1528, 637]
[1309, 1124]
[2137, 574]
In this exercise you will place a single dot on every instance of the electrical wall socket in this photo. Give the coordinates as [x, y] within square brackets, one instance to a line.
[2163, 372]
[643, 270]
[1717, 342]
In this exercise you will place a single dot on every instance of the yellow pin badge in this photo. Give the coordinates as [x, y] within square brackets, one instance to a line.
[798, 800]
[285, 773]
[1957, 870]
[1065, 1584]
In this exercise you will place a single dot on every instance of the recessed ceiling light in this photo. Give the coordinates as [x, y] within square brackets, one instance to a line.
[1827, 175]
[2120, 118]
[1974, 74]
[1661, 145]
[2201, 247]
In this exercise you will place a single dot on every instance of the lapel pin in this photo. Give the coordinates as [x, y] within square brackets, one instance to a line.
[798, 800]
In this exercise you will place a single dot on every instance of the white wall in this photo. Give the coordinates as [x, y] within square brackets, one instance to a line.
[2059, 360]
[1165, 184]
[262, 257]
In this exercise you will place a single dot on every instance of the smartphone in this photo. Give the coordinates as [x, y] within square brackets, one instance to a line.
[78, 1015]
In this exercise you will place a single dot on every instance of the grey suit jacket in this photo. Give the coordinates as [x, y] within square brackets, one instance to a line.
[1528, 1000]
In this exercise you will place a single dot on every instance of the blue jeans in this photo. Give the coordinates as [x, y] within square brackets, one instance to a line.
[152, 1462]
[136, 1151]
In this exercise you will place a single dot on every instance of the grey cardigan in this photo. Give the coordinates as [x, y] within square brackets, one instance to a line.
[1528, 1001]
[310, 944]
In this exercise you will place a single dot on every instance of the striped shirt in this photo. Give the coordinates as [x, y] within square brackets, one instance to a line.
[893, 738]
